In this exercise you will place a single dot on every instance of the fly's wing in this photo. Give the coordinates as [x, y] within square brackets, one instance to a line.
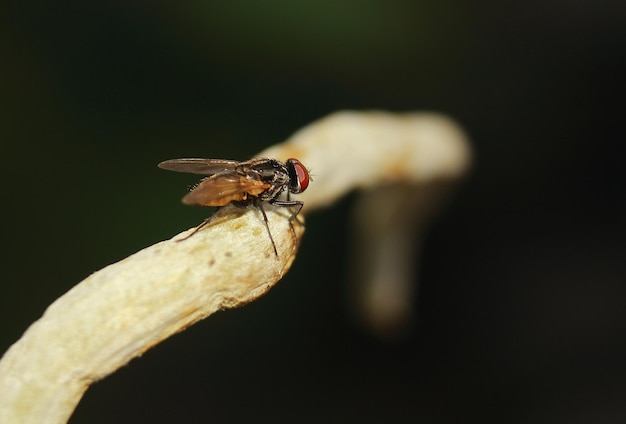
[225, 187]
[199, 166]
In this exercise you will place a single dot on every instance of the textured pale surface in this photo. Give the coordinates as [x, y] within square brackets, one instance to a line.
[122, 310]
[350, 150]
[405, 163]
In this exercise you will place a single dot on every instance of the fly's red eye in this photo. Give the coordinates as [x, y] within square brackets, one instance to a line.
[301, 172]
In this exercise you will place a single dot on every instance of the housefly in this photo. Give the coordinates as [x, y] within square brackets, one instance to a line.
[253, 182]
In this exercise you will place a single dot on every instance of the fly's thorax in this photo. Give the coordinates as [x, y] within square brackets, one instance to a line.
[272, 172]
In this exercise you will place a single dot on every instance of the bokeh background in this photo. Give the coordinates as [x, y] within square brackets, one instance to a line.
[521, 313]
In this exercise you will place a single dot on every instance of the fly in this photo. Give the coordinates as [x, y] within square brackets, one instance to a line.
[253, 182]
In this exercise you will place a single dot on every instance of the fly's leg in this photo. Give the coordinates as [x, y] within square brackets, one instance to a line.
[198, 228]
[209, 219]
[297, 205]
[259, 204]
[290, 203]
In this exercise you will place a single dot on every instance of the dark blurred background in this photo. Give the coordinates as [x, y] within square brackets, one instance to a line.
[521, 313]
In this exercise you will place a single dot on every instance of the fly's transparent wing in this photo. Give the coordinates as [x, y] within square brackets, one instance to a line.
[199, 166]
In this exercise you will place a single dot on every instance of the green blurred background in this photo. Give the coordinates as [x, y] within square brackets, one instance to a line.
[521, 315]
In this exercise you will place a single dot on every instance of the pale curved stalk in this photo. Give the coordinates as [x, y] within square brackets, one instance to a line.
[362, 150]
[405, 165]
[126, 308]
[121, 311]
